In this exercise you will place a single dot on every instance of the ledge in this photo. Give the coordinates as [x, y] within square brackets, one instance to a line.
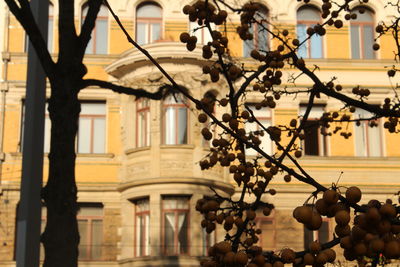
[226, 187]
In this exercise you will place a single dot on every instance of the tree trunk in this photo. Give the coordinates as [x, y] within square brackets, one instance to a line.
[61, 237]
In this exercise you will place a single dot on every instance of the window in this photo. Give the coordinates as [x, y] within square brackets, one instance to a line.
[92, 128]
[143, 122]
[98, 44]
[308, 16]
[208, 241]
[264, 116]
[175, 221]
[175, 120]
[90, 226]
[321, 235]
[142, 228]
[260, 35]
[148, 23]
[50, 31]
[314, 144]
[201, 32]
[362, 34]
[267, 237]
[368, 140]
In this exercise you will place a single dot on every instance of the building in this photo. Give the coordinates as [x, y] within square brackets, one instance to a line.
[137, 167]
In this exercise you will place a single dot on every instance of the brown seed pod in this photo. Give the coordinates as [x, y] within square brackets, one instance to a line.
[251, 214]
[184, 37]
[308, 259]
[316, 222]
[278, 264]
[288, 255]
[342, 231]
[331, 254]
[259, 260]
[266, 211]
[353, 194]
[315, 247]
[321, 258]
[384, 226]
[377, 245]
[360, 249]
[342, 217]
[346, 243]
[229, 258]
[387, 210]
[241, 258]
[357, 233]
[223, 247]
[303, 214]
[202, 118]
[321, 207]
[330, 197]
[373, 216]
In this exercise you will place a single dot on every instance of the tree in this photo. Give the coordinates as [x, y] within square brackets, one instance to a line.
[66, 77]
[229, 148]
[373, 236]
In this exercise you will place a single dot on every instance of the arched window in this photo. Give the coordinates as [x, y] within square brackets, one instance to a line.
[175, 120]
[98, 44]
[362, 34]
[308, 16]
[143, 122]
[148, 23]
[260, 36]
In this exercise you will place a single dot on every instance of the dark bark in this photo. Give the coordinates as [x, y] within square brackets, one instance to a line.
[61, 237]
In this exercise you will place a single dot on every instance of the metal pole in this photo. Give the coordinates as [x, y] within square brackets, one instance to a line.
[29, 211]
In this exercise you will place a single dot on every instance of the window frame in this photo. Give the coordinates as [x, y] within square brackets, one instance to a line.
[93, 40]
[261, 119]
[176, 107]
[365, 130]
[255, 30]
[309, 23]
[148, 21]
[147, 122]
[140, 214]
[360, 34]
[271, 218]
[176, 233]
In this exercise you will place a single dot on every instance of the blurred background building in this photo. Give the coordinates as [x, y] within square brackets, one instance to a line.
[137, 166]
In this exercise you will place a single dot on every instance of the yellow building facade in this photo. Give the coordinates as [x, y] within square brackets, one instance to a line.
[137, 165]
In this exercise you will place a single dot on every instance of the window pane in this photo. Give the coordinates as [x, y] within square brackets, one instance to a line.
[97, 239]
[84, 242]
[47, 126]
[175, 202]
[139, 237]
[302, 35]
[262, 36]
[98, 135]
[360, 140]
[182, 233]
[50, 34]
[101, 36]
[155, 32]
[84, 135]
[308, 13]
[90, 211]
[311, 130]
[374, 141]
[355, 41]
[182, 126]
[267, 238]
[266, 142]
[141, 33]
[368, 42]
[149, 11]
[251, 127]
[323, 233]
[170, 126]
[316, 46]
[308, 237]
[93, 109]
[169, 221]
[147, 234]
